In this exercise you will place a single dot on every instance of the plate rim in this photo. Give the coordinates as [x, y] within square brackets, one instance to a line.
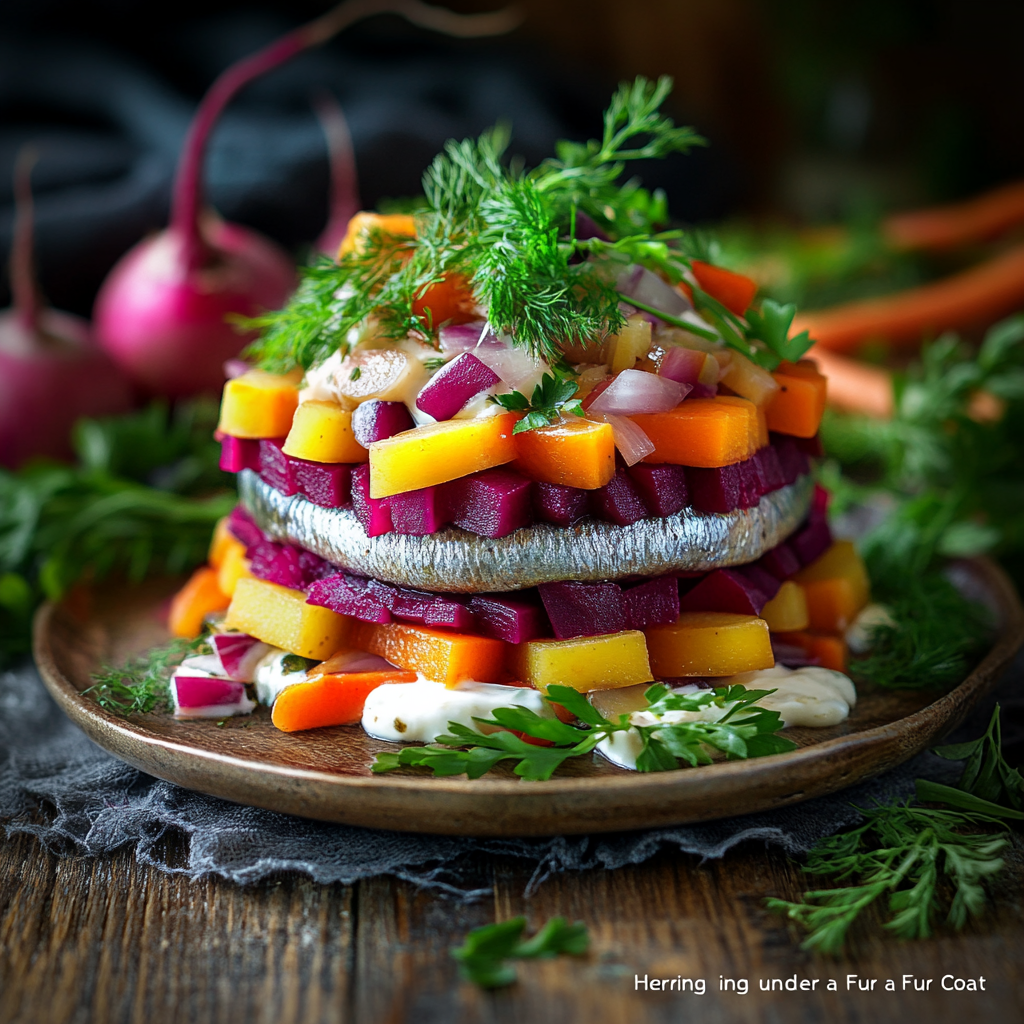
[894, 742]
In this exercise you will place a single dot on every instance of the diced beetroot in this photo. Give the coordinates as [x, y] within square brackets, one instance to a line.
[275, 467]
[792, 656]
[285, 564]
[770, 469]
[812, 540]
[619, 501]
[810, 446]
[583, 609]
[243, 527]
[449, 612]
[793, 461]
[204, 691]
[375, 420]
[724, 590]
[492, 503]
[662, 488]
[560, 505]
[714, 490]
[373, 513]
[781, 561]
[652, 603]
[238, 453]
[348, 595]
[454, 385]
[750, 484]
[512, 618]
[761, 578]
[238, 654]
[819, 502]
[419, 513]
[328, 484]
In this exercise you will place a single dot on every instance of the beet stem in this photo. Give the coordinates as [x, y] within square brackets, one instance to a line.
[187, 201]
[25, 297]
[341, 161]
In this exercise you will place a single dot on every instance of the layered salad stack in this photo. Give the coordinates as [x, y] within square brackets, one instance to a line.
[517, 437]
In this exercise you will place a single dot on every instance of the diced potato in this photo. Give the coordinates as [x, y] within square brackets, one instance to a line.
[710, 644]
[280, 616]
[623, 701]
[787, 610]
[836, 586]
[233, 567]
[573, 453]
[440, 655]
[259, 404]
[385, 373]
[439, 452]
[322, 432]
[633, 342]
[585, 663]
[799, 404]
[703, 432]
[749, 380]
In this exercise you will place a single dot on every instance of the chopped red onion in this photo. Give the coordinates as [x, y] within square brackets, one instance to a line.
[632, 442]
[639, 283]
[514, 366]
[637, 391]
[237, 655]
[456, 338]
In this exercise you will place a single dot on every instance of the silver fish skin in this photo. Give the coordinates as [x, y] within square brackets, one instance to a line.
[455, 561]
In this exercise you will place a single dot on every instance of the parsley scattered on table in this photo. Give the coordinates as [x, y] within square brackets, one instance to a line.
[743, 731]
[483, 957]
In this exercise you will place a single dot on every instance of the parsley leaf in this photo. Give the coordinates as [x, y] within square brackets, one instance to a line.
[482, 956]
[552, 399]
[771, 325]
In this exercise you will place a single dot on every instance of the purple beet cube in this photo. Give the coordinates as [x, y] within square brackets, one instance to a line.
[560, 505]
[810, 446]
[724, 590]
[348, 595]
[385, 593]
[792, 656]
[583, 609]
[375, 420]
[238, 453]
[812, 540]
[328, 484]
[243, 527]
[761, 578]
[275, 467]
[419, 513]
[512, 618]
[714, 490]
[770, 469]
[279, 563]
[449, 613]
[652, 603]
[373, 513]
[410, 605]
[781, 561]
[662, 488]
[793, 461]
[492, 503]
[619, 501]
[454, 385]
[750, 484]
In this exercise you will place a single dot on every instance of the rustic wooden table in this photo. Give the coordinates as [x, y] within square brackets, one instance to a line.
[109, 940]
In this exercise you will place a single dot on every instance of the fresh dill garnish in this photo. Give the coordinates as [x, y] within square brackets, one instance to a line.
[433, 365]
[552, 399]
[483, 955]
[142, 685]
[742, 732]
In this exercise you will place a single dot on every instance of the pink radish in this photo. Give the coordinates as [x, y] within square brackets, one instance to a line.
[161, 313]
[51, 372]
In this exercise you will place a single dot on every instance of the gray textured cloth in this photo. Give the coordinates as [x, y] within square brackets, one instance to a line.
[93, 804]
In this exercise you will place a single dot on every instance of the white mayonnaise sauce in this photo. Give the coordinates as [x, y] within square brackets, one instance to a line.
[858, 636]
[418, 712]
[272, 676]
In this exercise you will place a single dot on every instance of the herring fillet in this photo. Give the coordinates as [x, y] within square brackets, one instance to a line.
[456, 561]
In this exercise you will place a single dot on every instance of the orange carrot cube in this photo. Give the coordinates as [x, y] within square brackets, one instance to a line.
[829, 649]
[330, 699]
[574, 453]
[703, 432]
[200, 597]
[398, 225]
[234, 567]
[836, 586]
[221, 541]
[799, 404]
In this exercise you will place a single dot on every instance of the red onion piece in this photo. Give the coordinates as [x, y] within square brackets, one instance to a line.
[238, 654]
[645, 286]
[456, 338]
[633, 444]
[637, 391]
[196, 691]
[514, 366]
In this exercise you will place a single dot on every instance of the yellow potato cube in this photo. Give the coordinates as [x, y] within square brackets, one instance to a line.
[786, 612]
[322, 432]
[280, 616]
[633, 342]
[585, 663]
[749, 380]
[234, 565]
[439, 452]
[710, 644]
[836, 586]
[259, 404]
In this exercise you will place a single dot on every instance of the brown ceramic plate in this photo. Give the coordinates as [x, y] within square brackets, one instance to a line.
[325, 773]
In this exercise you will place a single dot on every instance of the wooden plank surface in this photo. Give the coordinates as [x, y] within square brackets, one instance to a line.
[112, 941]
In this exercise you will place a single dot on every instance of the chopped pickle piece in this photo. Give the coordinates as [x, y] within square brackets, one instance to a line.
[786, 612]
[439, 452]
[836, 586]
[710, 644]
[259, 404]
[280, 616]
[702, 432]
[573, 453]
[585, 663]
[322, 432]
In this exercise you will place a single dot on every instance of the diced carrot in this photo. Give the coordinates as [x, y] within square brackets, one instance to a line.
[829, 649]
[444, 657]
[220, 543]
[234, 567]
[399, 225]
[330, 699]
[836, 586]
[799, 403]
[198, 598]
[450, 299]
[573, 453]
[259, 404]
[755, 418]
[703, 432]
[734, 291]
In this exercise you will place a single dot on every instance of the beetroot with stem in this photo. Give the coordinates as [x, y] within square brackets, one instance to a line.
[51, 371]
[583, 609]
[328, 484]
[662, 488]
[492, 503]
[454, 385]
[724, 590]
[376, 420]
[652, 603]
[238, 453]
[348, 595]
[514, 618]
[619, 501]
[275, 468]
[373, 513]
[714, 490]
[563, 506]
[161, 312]
[419, 513]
